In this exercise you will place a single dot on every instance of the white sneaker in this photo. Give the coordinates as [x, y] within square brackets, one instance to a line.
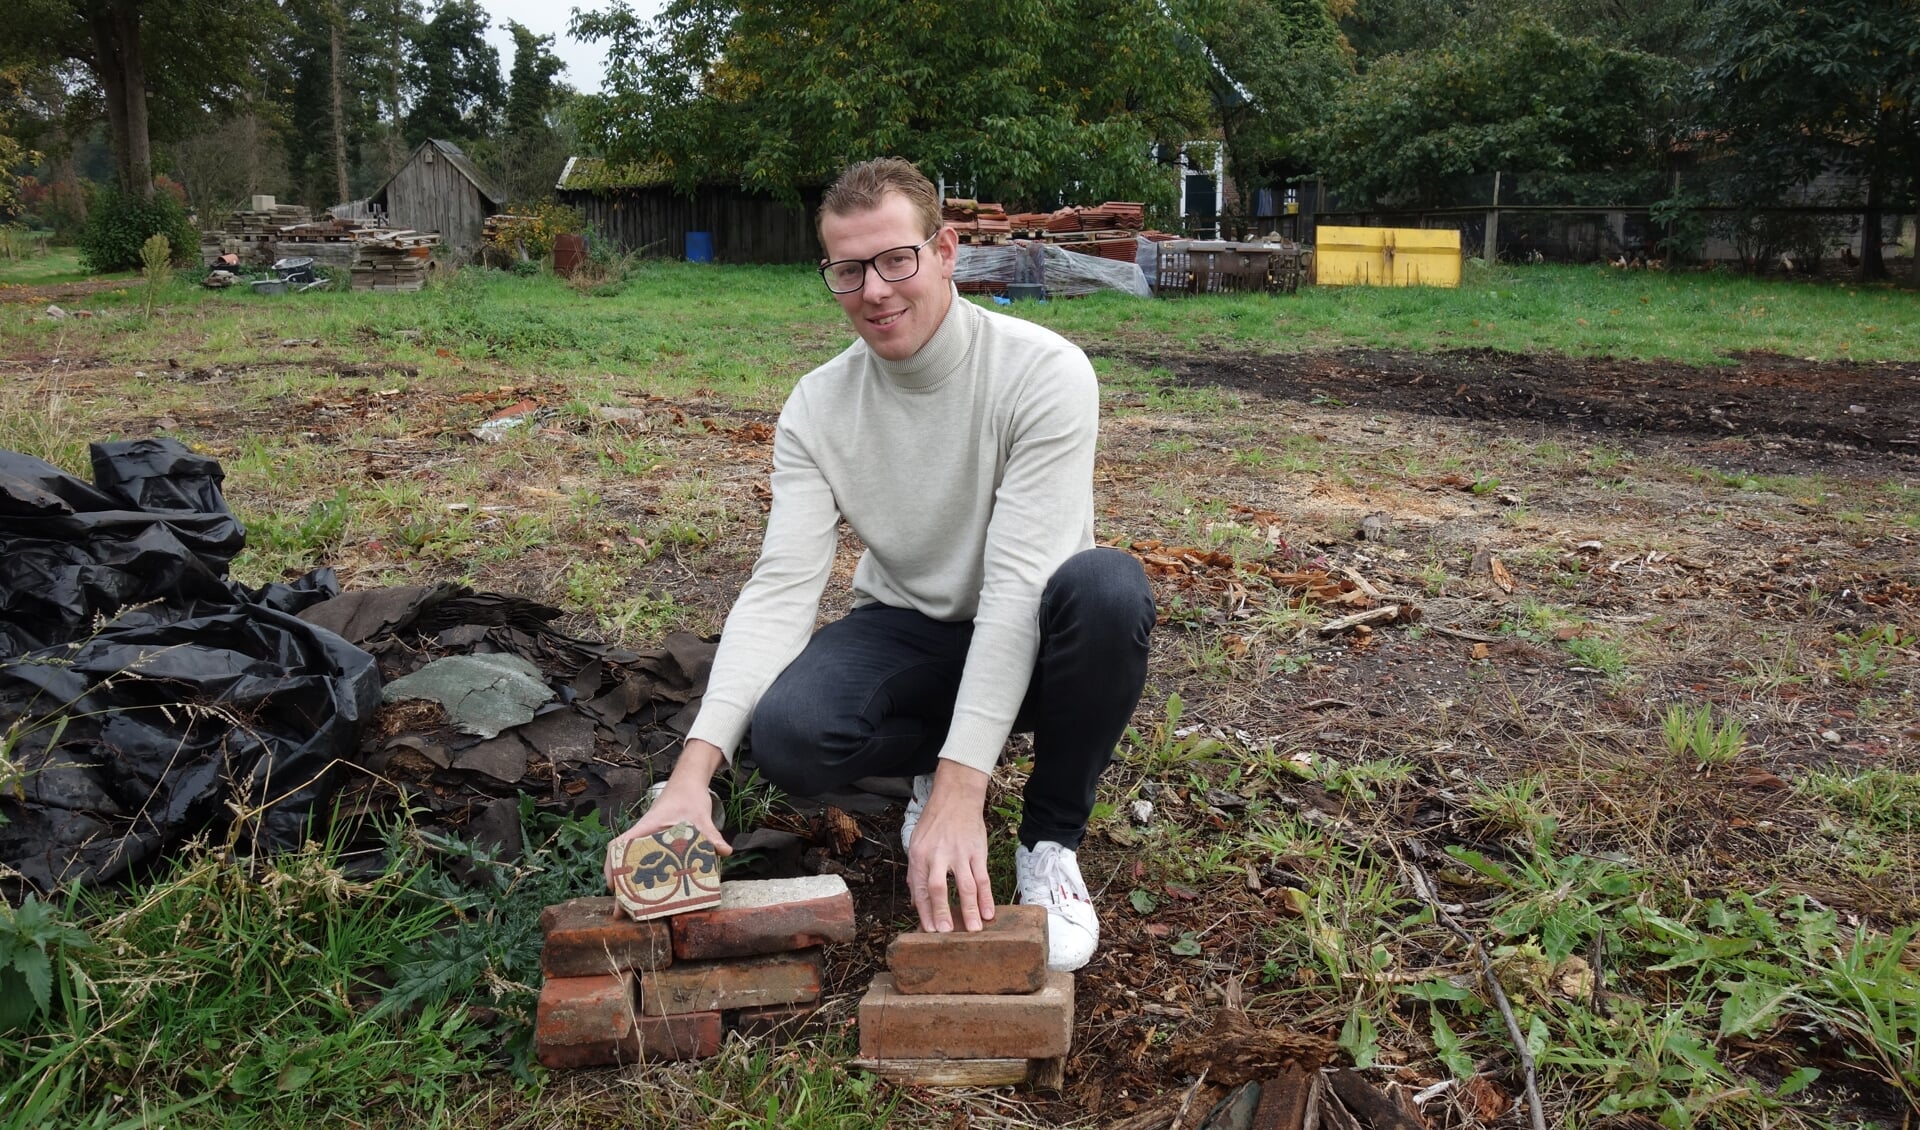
[916, 804]
[1049, 876]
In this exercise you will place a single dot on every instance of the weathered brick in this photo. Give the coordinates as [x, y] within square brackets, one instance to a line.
[757, 916]
[584, 1010]
[774, 1022]
[748, 982]
[897, 1026]
[590, 937]
[1007, 955]
[653, 1039]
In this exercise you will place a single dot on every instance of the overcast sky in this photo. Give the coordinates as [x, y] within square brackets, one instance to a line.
[585, 61]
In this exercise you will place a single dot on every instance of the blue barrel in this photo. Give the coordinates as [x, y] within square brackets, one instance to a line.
[699, 247]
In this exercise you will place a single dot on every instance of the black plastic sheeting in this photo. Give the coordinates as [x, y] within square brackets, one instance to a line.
[146, 698]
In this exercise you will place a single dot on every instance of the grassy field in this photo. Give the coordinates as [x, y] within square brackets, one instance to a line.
[1665, 775]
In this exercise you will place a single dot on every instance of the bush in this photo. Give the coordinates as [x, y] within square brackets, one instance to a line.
[118, 226]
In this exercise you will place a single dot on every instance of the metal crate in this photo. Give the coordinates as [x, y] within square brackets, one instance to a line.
[1195, 266]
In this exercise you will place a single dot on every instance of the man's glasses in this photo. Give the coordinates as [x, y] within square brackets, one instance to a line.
[844, 276]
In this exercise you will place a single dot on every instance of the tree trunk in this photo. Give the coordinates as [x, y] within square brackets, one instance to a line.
[122, 72]
[1873, 264]
[396, 151]
[339, 116]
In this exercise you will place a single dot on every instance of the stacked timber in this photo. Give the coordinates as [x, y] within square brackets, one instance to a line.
[267, 223]
[393, 260]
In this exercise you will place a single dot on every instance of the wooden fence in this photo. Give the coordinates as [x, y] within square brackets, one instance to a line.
[744, 227]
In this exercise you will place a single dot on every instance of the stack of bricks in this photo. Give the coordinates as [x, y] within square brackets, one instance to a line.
[620, 991]
[970, 1008]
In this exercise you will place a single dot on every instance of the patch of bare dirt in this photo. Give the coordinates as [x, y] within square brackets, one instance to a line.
[1870, 406]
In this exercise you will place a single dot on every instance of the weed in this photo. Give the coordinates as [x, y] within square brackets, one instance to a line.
[1602, 655]
[1359, 780]
[1864, 657]
[1692, 735]
[1168, 745]
[157, 268]
[306, 541]
[1887, 799]
[1518, 806]
[639, 618]
[34, 943]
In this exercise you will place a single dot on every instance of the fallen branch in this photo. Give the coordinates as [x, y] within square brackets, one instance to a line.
[1385, 614]
[1422, 884]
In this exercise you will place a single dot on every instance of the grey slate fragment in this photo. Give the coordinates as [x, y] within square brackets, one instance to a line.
[482, 694]
[562, 736]
[503, 758]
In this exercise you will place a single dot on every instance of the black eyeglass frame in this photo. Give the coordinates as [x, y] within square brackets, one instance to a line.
[873, 264]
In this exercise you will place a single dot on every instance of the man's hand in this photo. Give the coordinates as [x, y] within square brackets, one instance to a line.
[685, 800]
[951, 839]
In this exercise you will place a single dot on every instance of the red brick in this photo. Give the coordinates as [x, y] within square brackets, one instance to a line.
[584, 1010]
[1007, 955]
[654, 1039]
[896, 1025]
[774, 1022]
[590, 937]
[749, 982]
[757, 916]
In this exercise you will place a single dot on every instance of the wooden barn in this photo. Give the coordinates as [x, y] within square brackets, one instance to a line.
[641, 211]
[438, 189]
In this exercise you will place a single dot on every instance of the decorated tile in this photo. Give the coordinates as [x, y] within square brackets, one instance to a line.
[673, 870]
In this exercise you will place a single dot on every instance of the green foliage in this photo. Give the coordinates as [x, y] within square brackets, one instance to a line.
[531, 91]
[1060, 96]
[1808, 86]
[119, 225]
[456, 75]
[33, 943]
[1887, 799]
[1167, 744]
[1275, 67]
[1602, 655]
[1865, 657]
[155, 269]
[1526, 99]
[1692, 735]
[257, 984]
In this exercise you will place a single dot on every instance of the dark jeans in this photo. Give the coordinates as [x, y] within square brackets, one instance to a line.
[872, 694]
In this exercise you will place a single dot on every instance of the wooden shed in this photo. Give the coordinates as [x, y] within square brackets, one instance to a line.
[640, 210]
[438, 189]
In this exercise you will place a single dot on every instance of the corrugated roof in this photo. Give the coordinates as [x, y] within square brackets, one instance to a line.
[460, 162]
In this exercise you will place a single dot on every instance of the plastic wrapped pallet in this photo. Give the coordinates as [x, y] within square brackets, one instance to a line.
[991, 269]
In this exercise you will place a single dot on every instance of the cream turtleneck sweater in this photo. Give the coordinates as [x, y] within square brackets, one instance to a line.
[968, 471]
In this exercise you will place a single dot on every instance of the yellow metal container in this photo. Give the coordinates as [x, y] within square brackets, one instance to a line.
[1387, 257]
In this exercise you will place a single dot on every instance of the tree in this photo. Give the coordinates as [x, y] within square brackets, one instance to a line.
[530, 154]
[456, 75]
[1275, 68]
[1529, 100]
[1021, 100]
[1801, 88]
[147, 65]
[12, 153]
[531, 90]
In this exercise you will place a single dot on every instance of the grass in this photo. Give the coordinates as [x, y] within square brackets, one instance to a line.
[1740, 944]
[1702, 318]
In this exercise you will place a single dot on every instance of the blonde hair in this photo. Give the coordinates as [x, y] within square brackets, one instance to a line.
[864, 187]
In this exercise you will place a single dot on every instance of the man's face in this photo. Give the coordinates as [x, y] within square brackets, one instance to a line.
[894, 318]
